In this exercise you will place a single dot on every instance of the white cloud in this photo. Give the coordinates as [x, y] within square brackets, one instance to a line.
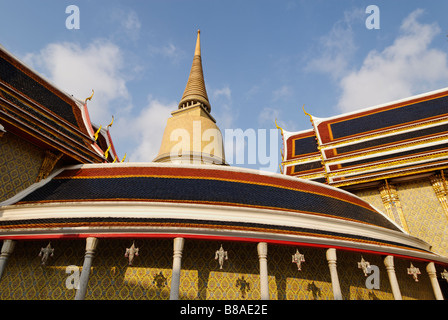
[222, 107]
[337, 48]
[268, 115]
[131, 21]
[281, 93]
[127, 24]
[78, 70]
[169, 51]
[407, 67]
[147, 129]
[225, 92]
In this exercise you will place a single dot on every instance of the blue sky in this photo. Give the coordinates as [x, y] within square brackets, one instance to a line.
[262, 60]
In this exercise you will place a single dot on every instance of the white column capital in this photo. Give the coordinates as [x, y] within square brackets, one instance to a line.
[331, 254]
[262, 249]
[91, 244]
[431, 269]
[7, 247]
[178, 245]
[389, 262]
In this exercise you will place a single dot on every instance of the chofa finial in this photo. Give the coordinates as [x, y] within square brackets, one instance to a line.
[303, 108]
[89, 98]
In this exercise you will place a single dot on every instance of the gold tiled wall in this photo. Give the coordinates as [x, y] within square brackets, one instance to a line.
[312, 282]
[353, 280]
[409, 288]
[372, 196]
[203, 279]
[25, 278]
[112, 278]
[422, 211]
[20, 162]
[424, 214]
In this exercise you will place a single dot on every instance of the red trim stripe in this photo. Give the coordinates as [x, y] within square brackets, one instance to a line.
[201, 237]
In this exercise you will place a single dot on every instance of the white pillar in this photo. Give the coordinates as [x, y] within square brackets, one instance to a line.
[7, 249]
[331, 258]
[178, 246]
[91, 244]
[431, 269]
[389, 263]
[262, 249]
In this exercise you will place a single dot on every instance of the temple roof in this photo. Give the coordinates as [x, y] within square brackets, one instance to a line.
[185, 184]
[124, 199]
[195, 90]
[36, 110]
[399, 138]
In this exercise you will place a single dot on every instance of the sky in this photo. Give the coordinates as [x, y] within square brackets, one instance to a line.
[262, 60]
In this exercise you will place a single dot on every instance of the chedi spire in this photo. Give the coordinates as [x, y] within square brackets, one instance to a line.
[191, 134]
[195, 91]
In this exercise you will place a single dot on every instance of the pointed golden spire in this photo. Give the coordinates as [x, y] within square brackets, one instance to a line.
[197, 50]
[195, 91]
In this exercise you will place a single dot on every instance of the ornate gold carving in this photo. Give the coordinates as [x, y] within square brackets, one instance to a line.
[439, 185]
[50, 160]
[389, 196]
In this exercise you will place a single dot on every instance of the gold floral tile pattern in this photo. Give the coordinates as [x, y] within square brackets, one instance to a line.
[312, 282]
[372, 196]
[149, 276]
[25, 278]
[424, 214]
[20, 162]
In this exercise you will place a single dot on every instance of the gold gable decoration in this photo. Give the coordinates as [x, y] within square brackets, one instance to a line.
[48, 164]
[392, 204]
[439, 185]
